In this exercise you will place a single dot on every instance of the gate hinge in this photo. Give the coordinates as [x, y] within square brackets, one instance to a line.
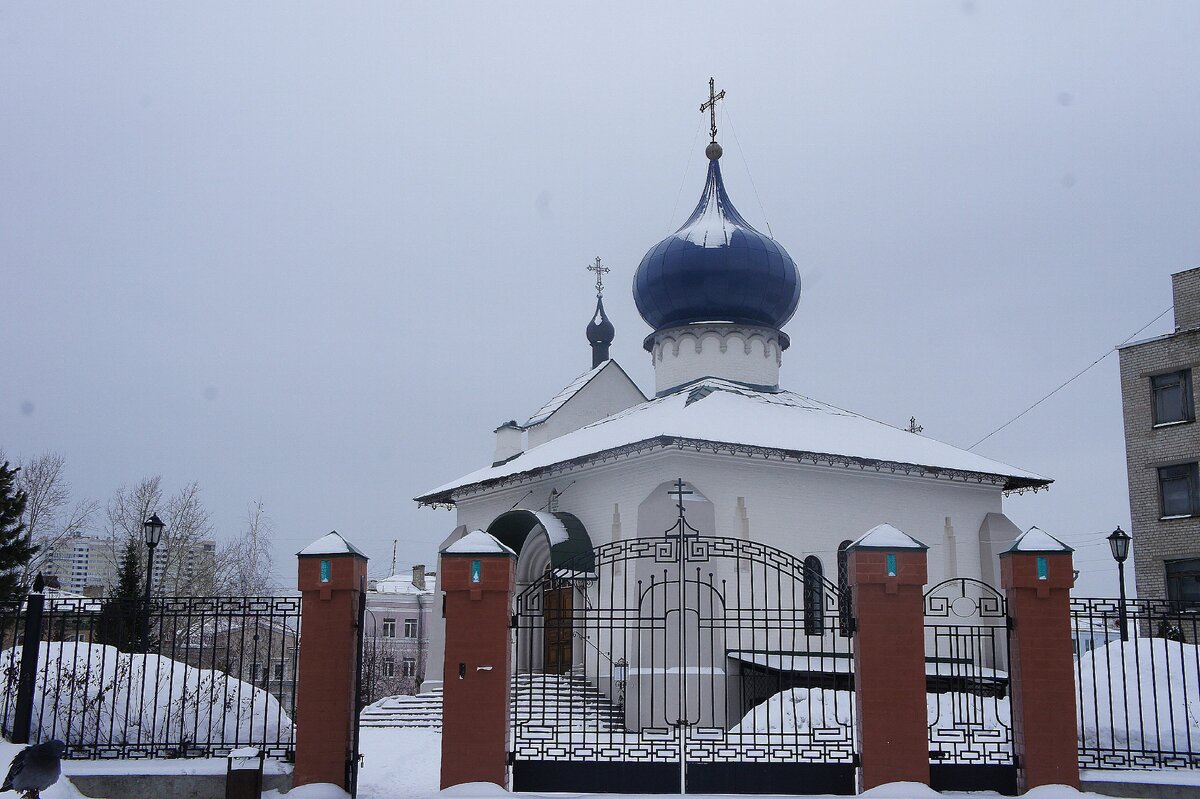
[511, 759]
[1008, 623]
[512, 622]
[855, 760]
[1016, 760]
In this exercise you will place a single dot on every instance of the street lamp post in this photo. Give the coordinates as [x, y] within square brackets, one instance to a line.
[1118, 542]
[152, 530]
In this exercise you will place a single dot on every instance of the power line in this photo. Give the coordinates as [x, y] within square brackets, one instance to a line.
[1069, 382]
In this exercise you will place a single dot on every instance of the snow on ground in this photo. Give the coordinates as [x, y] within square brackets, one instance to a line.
[398, 763]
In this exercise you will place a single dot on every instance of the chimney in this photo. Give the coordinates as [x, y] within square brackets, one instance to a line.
[510, 442]
[1185, 292]
[418, 578]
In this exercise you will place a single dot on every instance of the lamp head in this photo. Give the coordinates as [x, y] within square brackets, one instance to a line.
[152, 530]
[1118, 542]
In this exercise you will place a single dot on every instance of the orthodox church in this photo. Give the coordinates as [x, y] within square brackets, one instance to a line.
[599, 462]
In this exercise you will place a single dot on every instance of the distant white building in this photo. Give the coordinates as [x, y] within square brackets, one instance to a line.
[399, 616]
[82, 563]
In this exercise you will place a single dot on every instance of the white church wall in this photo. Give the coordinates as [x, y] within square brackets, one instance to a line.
[733, 352]
[609, 392]
[803, 509]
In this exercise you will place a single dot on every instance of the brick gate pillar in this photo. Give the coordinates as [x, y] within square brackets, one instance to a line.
[478, 575]
[888, 571]
[331, 573]
[1036, 574]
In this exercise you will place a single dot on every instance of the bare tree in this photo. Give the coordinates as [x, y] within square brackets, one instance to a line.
[49, 515]
[244, 564]
[188, 558]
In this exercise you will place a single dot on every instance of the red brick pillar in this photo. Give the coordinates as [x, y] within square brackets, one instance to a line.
[887, 577]
[331, 572]
[478, 576]
[1036, 574]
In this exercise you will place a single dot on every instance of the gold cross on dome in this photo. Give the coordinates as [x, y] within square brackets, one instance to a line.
[711, 107]
[600, 271]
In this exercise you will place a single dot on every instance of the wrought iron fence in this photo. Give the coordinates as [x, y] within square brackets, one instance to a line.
[1137, 689]
[180, 677]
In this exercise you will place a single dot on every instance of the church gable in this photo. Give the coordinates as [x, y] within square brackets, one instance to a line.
[595, 395]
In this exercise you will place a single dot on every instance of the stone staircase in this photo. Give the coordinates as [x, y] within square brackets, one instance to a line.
[539, 700]
[422, 710]
[563, 700]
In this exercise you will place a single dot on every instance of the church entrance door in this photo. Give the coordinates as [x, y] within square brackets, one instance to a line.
[557, 627]
[700, 664]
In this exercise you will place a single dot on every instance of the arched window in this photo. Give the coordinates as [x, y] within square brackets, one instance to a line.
[845, 609]
[814, 596]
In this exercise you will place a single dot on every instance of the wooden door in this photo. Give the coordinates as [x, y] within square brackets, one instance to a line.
[557, 628]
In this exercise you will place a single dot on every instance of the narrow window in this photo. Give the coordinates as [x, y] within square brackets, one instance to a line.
[410, 628]
[389, 628]
[845, 613]
[814, 596]
[410, 667]
[279, 670]
[389, 666]
[1177, 486]
[1172, 397]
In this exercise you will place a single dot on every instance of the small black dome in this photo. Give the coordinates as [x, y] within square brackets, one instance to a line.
[716, 268]
[600, 330]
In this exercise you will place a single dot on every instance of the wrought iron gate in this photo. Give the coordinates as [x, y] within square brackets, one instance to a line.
[737, 678]
[970, 722]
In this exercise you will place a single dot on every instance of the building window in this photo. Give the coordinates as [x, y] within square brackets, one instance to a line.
[410, 628]
[1177, 488]
[1172, 397]
[1183, 581]
[389, 628]
[410, 667]
[389, 666]
[814, 596]
[279, 670]
[845, 614]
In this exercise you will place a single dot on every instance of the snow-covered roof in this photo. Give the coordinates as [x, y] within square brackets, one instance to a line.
[478, 543]
[885, 536]
[402, 583]
[331, 544]
[561, 398]
[713, 414]
[1036, 539]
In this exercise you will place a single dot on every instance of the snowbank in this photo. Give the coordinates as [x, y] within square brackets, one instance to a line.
[801, 710]
[90, 694]
[1141, 694]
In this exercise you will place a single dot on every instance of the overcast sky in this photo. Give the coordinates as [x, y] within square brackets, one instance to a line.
[315, 253]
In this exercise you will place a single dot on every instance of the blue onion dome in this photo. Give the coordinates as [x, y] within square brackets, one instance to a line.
[600, 330]
[716, 268]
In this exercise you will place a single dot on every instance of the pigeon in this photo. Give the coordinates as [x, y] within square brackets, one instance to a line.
[35, 768]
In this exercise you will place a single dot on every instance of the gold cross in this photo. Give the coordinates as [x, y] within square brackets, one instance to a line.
[600, 272]
[711, 107]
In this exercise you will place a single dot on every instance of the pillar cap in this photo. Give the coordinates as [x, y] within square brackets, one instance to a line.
[331, 544]
[1037, 541]
[478, 542]
[887, 537]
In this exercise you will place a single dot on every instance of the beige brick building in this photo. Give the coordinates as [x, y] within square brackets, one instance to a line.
[1162, 450]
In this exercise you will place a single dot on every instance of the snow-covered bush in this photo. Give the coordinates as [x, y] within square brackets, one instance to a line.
[89, 694]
